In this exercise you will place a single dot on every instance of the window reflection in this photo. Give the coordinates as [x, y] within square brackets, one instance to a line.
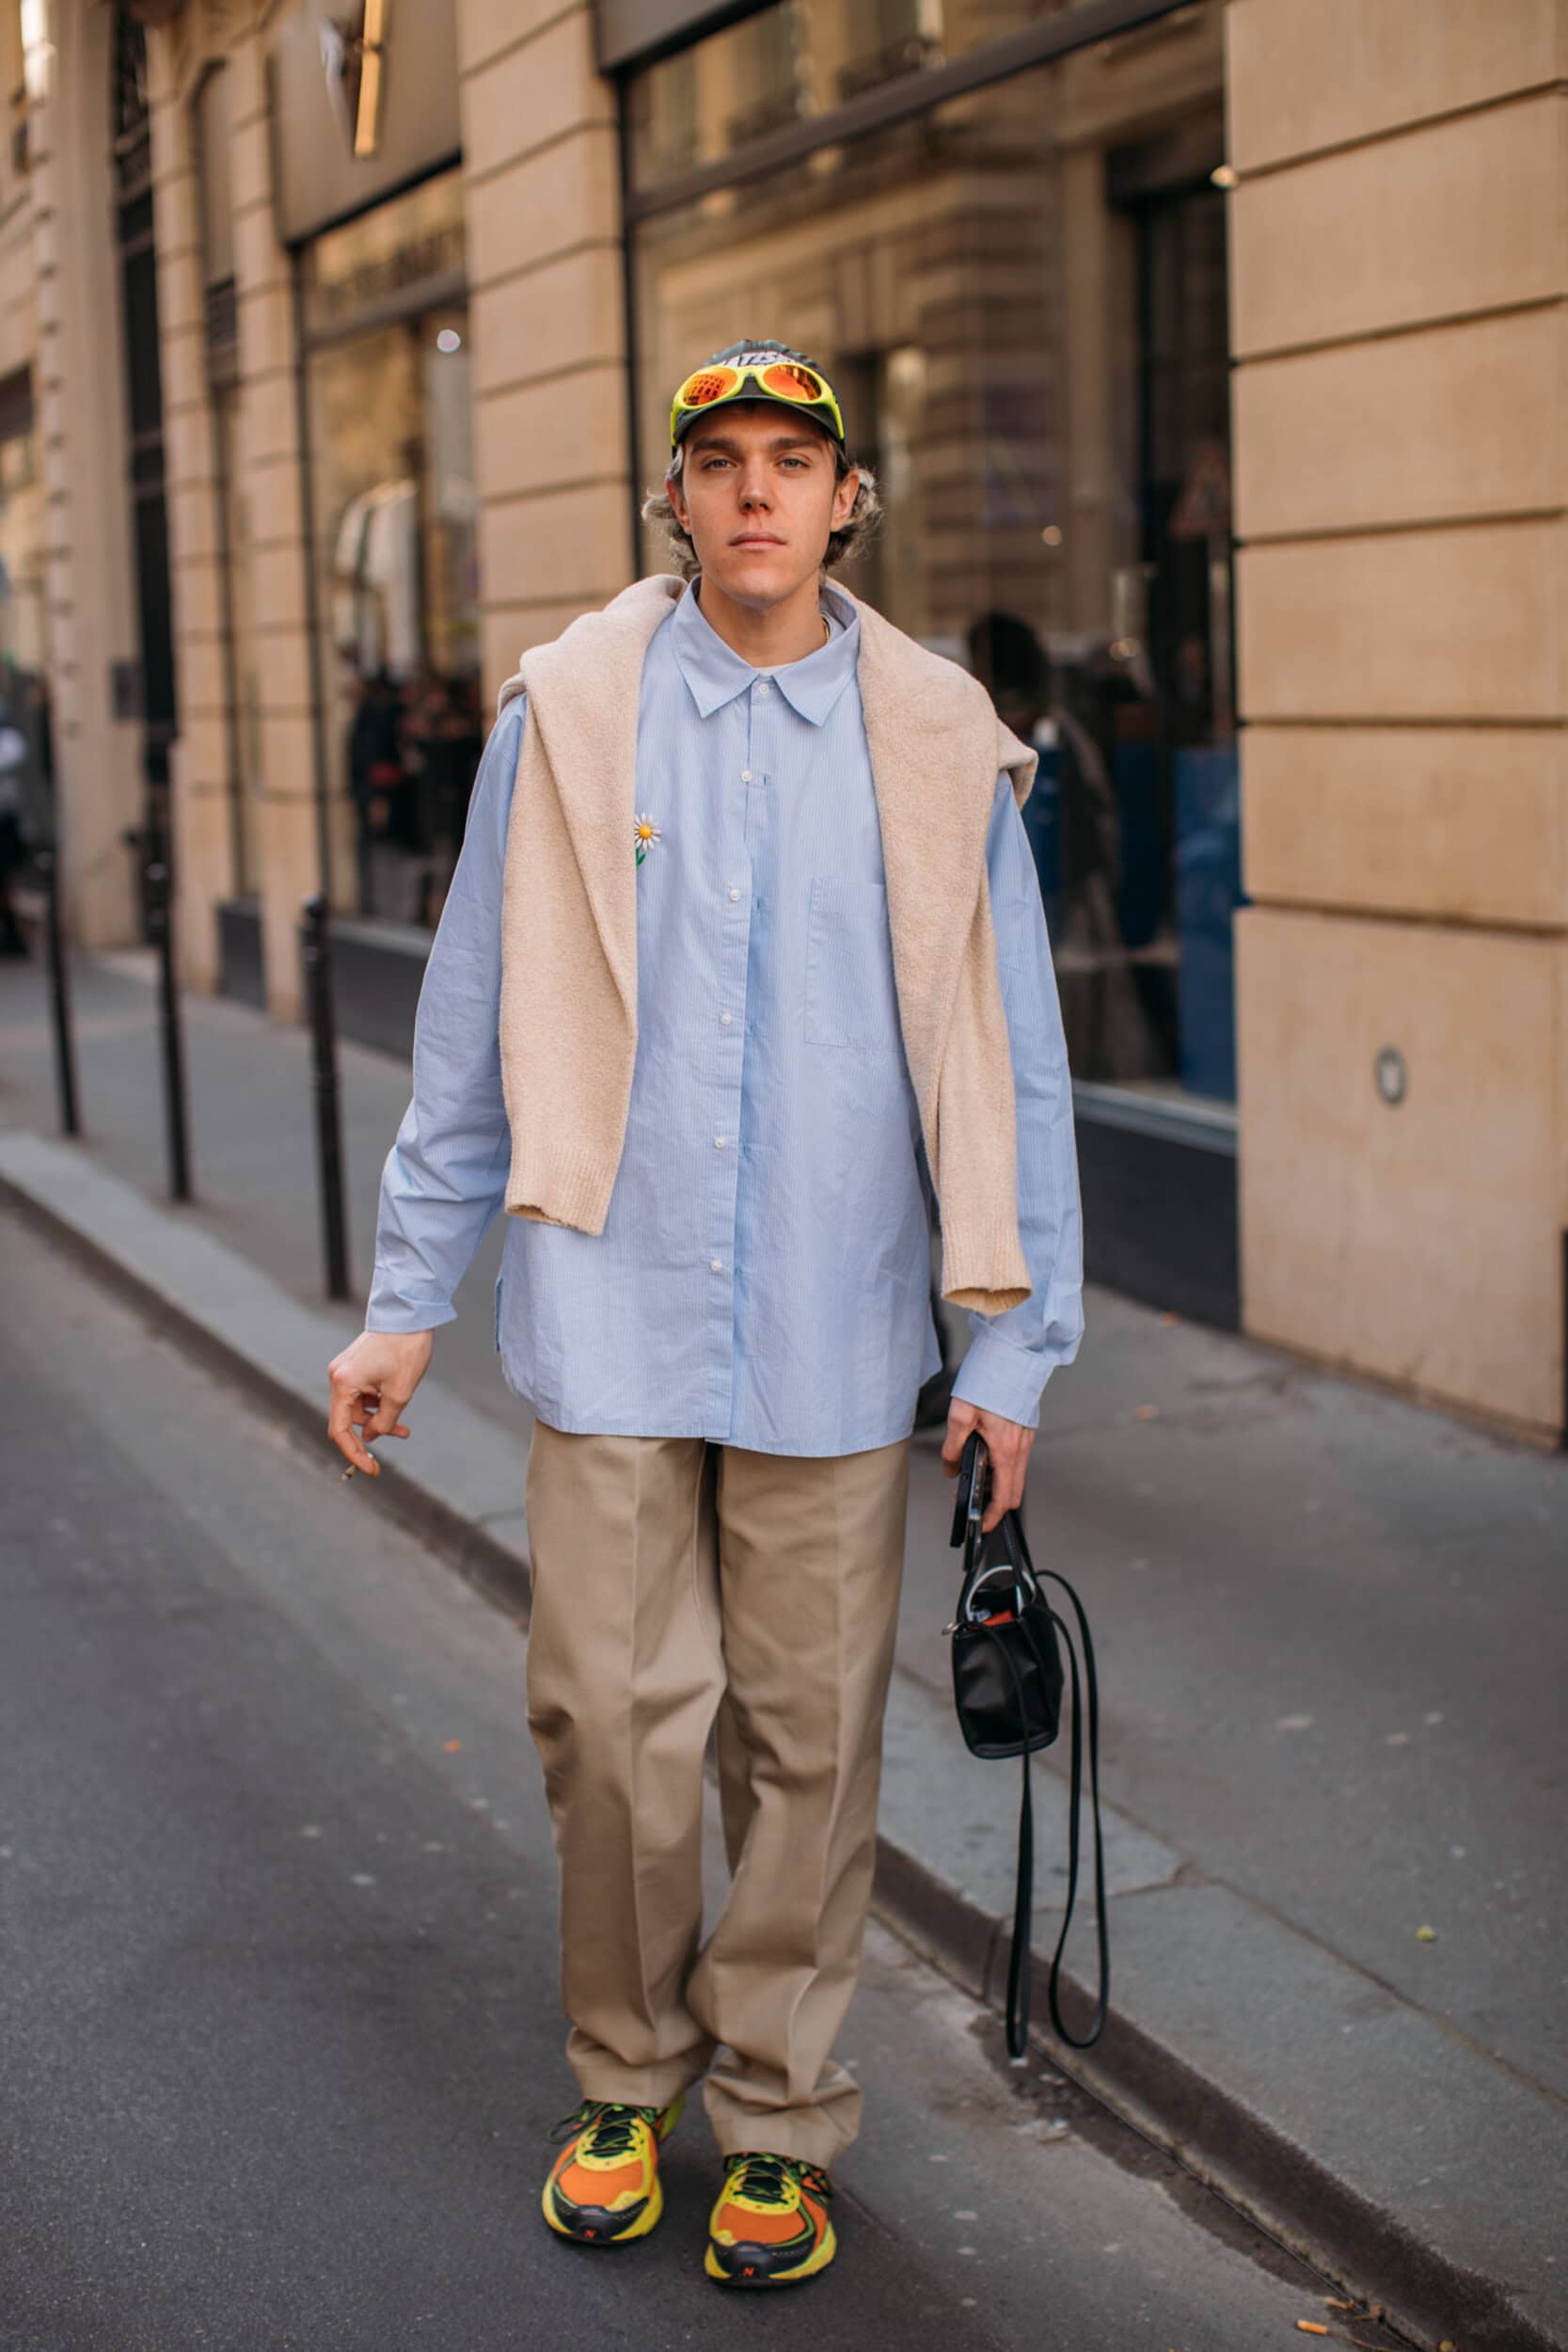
[27, 818]
[396, 508]
[1021, 296]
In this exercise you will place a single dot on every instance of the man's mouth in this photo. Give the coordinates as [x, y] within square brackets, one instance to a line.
[755, 539]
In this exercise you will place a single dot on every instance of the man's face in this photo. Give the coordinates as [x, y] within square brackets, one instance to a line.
[759, 496]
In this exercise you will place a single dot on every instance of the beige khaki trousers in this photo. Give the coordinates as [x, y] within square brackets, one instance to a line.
[680, 1583]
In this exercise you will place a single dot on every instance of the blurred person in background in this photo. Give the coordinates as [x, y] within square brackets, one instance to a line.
[15, 843]
[441, 740]
[1107, 1029]
[377, 779]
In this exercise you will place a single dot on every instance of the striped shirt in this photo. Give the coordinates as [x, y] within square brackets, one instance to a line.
[763, 1278]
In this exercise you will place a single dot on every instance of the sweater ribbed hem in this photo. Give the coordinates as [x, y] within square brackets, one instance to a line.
[987, 1302]
[555, 1187]
[983, 1268]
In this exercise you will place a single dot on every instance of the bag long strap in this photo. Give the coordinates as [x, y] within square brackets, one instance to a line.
[1019, 1972]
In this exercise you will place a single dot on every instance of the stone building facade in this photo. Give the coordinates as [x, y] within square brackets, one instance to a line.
[1212, 357]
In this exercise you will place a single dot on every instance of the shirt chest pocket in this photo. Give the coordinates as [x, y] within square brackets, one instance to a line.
[850, 998]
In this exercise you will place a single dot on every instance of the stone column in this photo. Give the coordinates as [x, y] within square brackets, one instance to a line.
[270, 461]
[539, 153]
[18, 257]
[80, 403]
[200, 803]
[1401, 263]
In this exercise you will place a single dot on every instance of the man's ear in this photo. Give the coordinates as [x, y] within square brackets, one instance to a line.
[845, 495]
[673, 492]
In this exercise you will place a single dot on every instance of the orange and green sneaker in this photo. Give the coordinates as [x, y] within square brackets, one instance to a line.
[770, 2225]
[603, 2188]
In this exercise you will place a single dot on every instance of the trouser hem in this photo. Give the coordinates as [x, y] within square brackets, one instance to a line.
[803, 2133]
[637, 2086]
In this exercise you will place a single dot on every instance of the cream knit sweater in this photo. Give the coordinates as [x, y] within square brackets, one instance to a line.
[568, 1005]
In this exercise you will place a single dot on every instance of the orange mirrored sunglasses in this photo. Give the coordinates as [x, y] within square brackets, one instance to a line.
[780, 379]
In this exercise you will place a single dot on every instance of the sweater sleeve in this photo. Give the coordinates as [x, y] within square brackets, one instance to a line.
[445, 1177]
[1011, 1355]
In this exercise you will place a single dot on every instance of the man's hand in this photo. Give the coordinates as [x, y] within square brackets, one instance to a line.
[372, 1383]
[1007, 1442]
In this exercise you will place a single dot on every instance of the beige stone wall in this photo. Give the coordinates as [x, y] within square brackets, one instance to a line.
[59, 292]
[280, 766]
[79, 397]
[270, 458]
[542, 191]
[1399, 273]
[19, 324]
[200, 807]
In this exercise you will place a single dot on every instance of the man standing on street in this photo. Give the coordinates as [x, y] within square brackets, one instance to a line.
[742, 974]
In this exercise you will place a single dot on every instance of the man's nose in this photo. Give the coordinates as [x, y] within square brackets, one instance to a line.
[754, 487]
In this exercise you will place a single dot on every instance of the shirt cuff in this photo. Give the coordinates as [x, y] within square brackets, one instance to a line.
[404, 1315]
[998, 1378]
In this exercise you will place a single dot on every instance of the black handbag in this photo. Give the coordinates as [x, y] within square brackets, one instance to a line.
[1007, 1684]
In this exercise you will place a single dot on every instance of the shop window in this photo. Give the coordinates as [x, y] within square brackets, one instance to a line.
[1022, 294]
[667, 125]
[767, 75]
[798, 59]
[887, 38]
[240, 647]
[26, 764]
[13, 81]
[712, 101]
[214, 138]
[391, 434]
[142, 366]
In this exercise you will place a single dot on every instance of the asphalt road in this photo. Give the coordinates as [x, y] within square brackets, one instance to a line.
[1327, 1621]
[279, 2046]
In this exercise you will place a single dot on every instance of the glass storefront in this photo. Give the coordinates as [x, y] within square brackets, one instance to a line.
[797, 60]
[26, 762]
[392, 443]
[241, 646]
[1021, 294]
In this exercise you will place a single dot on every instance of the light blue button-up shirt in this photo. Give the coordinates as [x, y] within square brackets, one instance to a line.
[763, 1275]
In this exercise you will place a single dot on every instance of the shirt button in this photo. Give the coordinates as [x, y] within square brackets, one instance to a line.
[717, 1265]
[745, 775]
[735, 893]
[719, 1143]
[724, 1020]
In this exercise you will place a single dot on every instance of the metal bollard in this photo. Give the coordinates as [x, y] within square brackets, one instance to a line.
[59, 994]
[160, 924]
[316, 943]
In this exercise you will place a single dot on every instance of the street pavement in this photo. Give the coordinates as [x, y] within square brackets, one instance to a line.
[1330, 1634]
[252, 1131]
[281, 2039]
[1317, 1606]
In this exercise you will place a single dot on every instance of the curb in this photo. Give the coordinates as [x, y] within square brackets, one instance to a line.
[495, 1567]
[1212, 2127]
[1362, 2248]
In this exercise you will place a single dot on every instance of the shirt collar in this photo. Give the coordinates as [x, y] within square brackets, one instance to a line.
[715, 674]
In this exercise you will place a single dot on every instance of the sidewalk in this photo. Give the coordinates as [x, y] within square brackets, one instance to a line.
[1332, 1689]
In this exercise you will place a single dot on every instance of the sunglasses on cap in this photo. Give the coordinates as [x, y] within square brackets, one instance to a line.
[756, 376]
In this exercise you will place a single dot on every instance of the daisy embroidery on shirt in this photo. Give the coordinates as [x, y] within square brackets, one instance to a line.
[647, 832]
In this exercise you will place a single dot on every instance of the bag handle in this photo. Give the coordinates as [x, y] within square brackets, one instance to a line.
[1016, 1545]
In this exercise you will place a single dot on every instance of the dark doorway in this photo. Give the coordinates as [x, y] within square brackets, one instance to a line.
[153, 688]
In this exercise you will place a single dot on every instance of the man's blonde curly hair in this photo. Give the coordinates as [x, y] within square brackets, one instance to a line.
[864, 514]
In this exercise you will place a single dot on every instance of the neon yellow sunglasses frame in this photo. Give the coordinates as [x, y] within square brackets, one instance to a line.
[723, 380]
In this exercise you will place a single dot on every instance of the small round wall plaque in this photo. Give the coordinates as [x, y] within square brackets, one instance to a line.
[1392, 1074]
